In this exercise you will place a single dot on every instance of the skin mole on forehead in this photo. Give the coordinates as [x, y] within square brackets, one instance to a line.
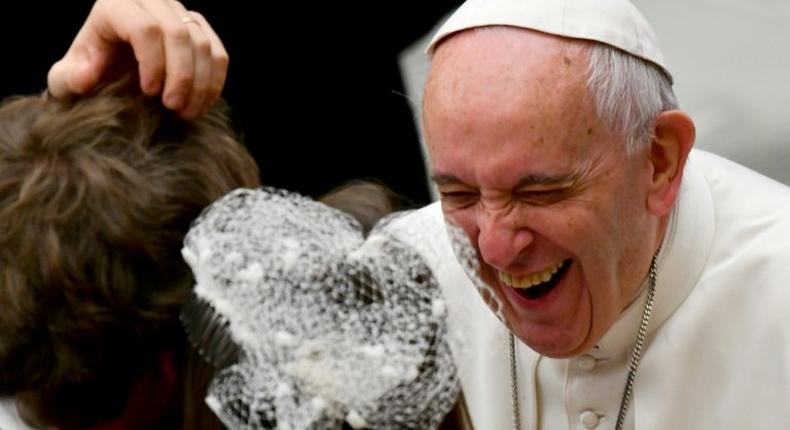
[567, 60]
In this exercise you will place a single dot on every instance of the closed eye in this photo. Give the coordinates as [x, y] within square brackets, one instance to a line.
[458, 199]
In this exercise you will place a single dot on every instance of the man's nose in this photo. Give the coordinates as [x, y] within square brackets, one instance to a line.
[502, 238]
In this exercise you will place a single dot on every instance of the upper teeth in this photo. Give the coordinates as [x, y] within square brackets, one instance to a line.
[531, 280]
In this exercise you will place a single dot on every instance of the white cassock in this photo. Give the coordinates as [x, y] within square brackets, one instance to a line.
[717, 355]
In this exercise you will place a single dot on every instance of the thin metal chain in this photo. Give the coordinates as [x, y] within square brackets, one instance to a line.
[514, 385]
[636, 355]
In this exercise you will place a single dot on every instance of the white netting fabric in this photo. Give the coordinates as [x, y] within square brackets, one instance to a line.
[335, 330]
[467, 257]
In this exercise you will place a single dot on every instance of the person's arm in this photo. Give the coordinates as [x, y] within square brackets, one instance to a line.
[175, 51]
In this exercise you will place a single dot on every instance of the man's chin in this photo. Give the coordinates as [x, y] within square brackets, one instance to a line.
[550, 343]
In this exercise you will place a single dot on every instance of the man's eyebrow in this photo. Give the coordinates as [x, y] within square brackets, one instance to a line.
[446, 179]
[525, 181]
[546, 179]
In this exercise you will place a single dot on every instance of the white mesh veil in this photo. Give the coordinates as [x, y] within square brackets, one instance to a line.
[335, 330]
[467, 257]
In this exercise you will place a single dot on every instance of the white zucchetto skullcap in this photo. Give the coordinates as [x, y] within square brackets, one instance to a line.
[614, 22]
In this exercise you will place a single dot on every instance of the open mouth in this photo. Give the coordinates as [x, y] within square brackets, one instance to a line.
[536, 285]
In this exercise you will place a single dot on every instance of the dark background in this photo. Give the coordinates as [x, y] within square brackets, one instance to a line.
[315, 87]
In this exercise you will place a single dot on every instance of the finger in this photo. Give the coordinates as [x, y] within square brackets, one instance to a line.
[219, 63]
[202, 63]
[202, 73]
[178, 52]
[71, 76]
[110, 24]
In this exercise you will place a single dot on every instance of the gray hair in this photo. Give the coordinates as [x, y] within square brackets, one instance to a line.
[628, 92]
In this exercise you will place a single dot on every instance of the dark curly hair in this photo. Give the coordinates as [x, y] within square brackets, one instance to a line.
[95, 198]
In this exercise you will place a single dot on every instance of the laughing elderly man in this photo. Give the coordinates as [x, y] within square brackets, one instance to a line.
[599, 241]
[605, 244]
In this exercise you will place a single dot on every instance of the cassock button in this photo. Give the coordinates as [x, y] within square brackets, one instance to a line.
[586, 362]
[589, 419]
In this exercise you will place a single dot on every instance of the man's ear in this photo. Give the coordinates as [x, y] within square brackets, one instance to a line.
[674, 135]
